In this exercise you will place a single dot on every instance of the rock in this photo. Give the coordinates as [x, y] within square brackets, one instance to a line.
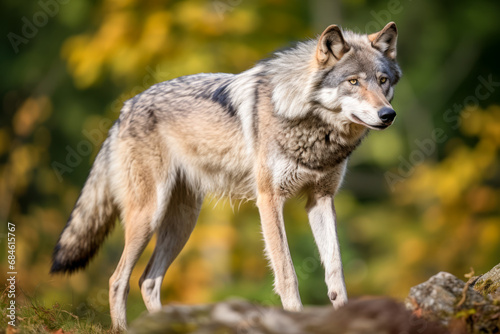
[438, 297]
[489, 283]
[373, 315]
[443, 304]
[446, 299]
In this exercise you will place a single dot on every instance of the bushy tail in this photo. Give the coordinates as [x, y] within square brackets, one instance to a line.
[93, 217]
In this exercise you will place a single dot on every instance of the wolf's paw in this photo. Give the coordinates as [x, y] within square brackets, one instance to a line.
[293, 306]
[337, 299]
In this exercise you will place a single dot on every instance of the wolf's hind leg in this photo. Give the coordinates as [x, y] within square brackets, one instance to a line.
[137, 235]
[173, 233]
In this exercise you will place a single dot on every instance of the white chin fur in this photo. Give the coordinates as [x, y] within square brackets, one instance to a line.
[361, 112]
[355, 119]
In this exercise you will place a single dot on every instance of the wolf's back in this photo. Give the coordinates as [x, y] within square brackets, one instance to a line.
[92, 218]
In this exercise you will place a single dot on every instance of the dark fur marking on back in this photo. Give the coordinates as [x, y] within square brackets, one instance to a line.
[255, 112]
[221, 96]
[152, 121]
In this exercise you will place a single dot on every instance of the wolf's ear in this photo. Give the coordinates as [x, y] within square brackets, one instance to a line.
[331, 46]
[385, 40]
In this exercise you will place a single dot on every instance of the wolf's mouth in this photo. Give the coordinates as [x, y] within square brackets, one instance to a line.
[356, 119]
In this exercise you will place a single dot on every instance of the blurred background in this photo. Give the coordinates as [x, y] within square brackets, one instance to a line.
[419, 198]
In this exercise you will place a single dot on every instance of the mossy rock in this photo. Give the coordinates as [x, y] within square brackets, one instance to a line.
[489, 283]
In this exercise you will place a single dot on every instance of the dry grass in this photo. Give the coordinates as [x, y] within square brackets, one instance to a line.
[33, 317]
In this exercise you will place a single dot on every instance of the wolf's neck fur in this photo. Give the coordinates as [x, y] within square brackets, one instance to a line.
[292, 85]
[315, 144]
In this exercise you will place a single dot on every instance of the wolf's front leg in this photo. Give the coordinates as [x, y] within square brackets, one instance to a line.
[322, 218]
[273, 227]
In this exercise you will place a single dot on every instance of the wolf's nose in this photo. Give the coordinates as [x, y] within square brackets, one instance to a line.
[386, 115]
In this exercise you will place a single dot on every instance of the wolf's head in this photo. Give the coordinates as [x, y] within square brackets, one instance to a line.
[356, 75]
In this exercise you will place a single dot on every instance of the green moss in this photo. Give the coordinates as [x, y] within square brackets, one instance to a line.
[183, 327]
[486, 287]
[465, 313]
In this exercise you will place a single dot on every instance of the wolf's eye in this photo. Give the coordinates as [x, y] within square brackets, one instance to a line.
[383, 80]
[353, 81]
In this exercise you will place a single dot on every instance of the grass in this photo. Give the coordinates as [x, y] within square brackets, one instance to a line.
[33, 317]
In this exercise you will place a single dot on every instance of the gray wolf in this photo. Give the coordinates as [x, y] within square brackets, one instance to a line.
[284, 127]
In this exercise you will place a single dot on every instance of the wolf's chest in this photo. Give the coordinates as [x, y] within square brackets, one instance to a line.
[314, 144]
